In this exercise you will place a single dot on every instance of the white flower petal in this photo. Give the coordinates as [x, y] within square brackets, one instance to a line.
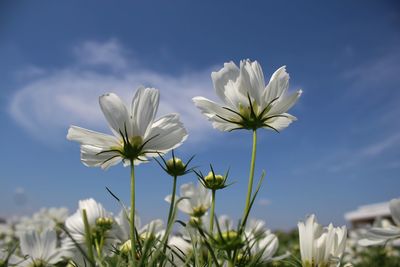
[271, 244]
[377, 236]
[217, 114]
[210, 109]
[88, 137]
[277, 86]
[94, 210]
[90, 157]
[185, 206]
[252, 79]
[395, 210]
[116, 114]
[220, 78]
[280, 123]
[144, 108]
[285, 103]
[236, 93]
[165, 134]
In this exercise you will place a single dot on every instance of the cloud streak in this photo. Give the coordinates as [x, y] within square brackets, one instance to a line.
[48, 104]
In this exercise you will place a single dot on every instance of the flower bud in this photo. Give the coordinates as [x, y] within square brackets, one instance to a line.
[228, 240]
[126, 247]
[199, 211]
[175, 167]
[104, 223]
[214, 181]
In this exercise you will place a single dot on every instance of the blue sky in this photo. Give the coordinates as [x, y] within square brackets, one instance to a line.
[344, 151]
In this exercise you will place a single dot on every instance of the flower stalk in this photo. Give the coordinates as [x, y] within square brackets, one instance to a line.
[171, 207]
[211, 230]
[132, 215]
[88, 237]
[251, 175]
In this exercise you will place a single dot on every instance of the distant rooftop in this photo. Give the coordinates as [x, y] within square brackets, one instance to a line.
[367, 212]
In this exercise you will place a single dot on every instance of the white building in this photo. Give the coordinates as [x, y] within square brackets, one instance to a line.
[366, 215]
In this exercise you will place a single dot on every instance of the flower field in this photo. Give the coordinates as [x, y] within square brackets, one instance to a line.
[93, 236]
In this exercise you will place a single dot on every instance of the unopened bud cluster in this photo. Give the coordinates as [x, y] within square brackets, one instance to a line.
[175, 167]
[228, 240]
[214, 181]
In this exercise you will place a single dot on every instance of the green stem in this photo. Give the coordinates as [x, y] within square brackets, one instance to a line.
[211, 224]
[251, 175]
[132, 215]
[88, 237]
[171, 207]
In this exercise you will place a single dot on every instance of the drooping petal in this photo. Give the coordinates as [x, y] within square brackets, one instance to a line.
[220, 78]
[165, 134]
[92, 156]
[271, 244]
[277, 85]
[285, 103]
[88, 137]
[116, 113]
[218, 115]
[210, 109]
[281, 122]
[144, 109]
[378, 236]
[395, 210]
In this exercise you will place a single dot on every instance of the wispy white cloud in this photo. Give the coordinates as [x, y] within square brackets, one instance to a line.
[372, 133]
[376, 149]
[264, 202]
[382, 70]
[48, 104]
[109, 53]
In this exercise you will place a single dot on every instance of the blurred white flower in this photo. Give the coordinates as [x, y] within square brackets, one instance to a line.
[262, 241]
[179, 249]
[45, 218]
[7, 259]
[58, 215]
[248, 103]
[101, 224]
[137, 135]
[34, 223]
[321, 247]
[153, 228]
[7, 233]
[196, 200]
[353, 252]
[388, 231]
[41, 248]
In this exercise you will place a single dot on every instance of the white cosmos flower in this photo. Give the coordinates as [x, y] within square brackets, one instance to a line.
[101, 224]
[380, 235]
[321, 247]
[248, 102]
[137, 135]
[178, 250]
[262, 241]
[41, 248]
[153, 228]
[196, 200]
